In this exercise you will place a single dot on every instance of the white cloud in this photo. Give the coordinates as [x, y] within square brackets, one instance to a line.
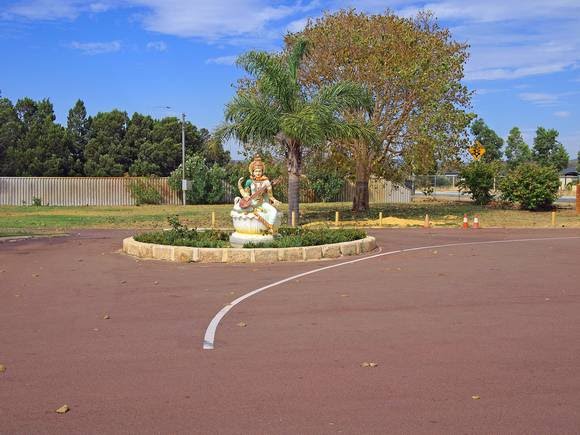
[297, 25]
[92, 48]
[562, 114]
[52, 10]
[508, 39]
[43, 10]
[513, 73]
[216, 21]
[541, 99]
[157, 46]
[223, 60]
[545, 99]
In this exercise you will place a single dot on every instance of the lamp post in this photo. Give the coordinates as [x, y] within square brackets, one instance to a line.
[184, 183]
[183, 180]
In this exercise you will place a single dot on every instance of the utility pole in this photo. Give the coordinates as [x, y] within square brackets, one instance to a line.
[183, 180]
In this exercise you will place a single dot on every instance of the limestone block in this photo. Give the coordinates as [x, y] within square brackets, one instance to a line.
[368, 244]
[211, 255]
[266, 255]
[144, 250]
[348, 248]
[331, 251]
[312, 252]
[290, 254]
[183, 254]
[239, 255]
[163, 252]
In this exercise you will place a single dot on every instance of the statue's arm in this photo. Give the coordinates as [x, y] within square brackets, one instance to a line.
[273, 200]
[243, 191]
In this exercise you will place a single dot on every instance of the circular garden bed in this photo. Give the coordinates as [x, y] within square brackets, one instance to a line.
[291, 244]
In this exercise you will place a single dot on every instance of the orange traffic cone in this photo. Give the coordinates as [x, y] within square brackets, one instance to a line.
[475, 223]
[465, 223]
[427, 224]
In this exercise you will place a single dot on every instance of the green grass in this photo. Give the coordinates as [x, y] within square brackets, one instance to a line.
[444, 213]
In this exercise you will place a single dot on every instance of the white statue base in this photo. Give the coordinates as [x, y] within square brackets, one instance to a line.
[238, 240]
[249, 229]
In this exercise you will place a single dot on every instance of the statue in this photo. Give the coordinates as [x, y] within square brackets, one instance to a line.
[255, 215]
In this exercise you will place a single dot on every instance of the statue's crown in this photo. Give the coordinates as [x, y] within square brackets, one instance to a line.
[257, 163]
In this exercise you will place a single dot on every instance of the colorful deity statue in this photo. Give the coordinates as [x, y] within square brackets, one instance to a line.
[255, 215]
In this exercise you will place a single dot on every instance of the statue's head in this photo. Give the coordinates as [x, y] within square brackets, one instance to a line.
[257, 167]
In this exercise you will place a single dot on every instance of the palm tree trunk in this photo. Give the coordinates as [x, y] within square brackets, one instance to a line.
[294, 165]
[360, 201]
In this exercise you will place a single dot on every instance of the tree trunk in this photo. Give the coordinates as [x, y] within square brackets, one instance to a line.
[294, 164]
[360, 202]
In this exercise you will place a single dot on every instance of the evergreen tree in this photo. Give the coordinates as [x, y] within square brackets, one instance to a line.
[10, 133]
[517, 150]
[489, 139]
[42, 149]
[105, 153]
[548, 151]
[78, 129]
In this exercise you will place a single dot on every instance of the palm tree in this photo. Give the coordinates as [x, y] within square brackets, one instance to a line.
[276, 110]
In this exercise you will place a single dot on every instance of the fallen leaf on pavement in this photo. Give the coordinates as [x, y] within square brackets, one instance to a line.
[476, 397]
[369, 364]
[2, 368]
[106, 317]
[63, 409]
[242, 324]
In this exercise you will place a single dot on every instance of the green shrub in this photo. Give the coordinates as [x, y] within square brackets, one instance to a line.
[180, 235]
[144, 192]
[207, 182]
[296, 237]
[326, 182]
[532, 186]
[477, 180]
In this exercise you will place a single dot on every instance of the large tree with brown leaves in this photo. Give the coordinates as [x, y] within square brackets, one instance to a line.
[413, 69]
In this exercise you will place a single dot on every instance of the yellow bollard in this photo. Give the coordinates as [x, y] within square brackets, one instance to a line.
[293, 219]
[213, 219]
[380, 219]
[553, 218]
[336, 218]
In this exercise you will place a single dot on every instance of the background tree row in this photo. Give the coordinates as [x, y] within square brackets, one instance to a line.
[108, 144]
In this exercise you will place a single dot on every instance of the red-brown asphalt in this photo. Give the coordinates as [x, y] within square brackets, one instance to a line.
[499, 321]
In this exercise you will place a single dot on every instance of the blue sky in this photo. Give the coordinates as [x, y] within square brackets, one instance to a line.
[141, 55]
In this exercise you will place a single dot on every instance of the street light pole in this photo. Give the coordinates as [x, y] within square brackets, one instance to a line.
[183, 155]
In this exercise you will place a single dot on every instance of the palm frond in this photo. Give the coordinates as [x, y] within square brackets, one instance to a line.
[272, 76]
[344, 96]
[252, 117]
[299, 50]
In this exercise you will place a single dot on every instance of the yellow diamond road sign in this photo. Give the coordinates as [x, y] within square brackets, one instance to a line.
[477, 150]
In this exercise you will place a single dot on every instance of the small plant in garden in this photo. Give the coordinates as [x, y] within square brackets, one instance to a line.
[532, 186]
[477, 179]
[37, 202]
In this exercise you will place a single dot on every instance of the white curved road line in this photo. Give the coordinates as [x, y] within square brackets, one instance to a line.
[209, 338]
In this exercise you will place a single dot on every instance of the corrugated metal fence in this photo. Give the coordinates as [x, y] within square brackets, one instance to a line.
[111, 191]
